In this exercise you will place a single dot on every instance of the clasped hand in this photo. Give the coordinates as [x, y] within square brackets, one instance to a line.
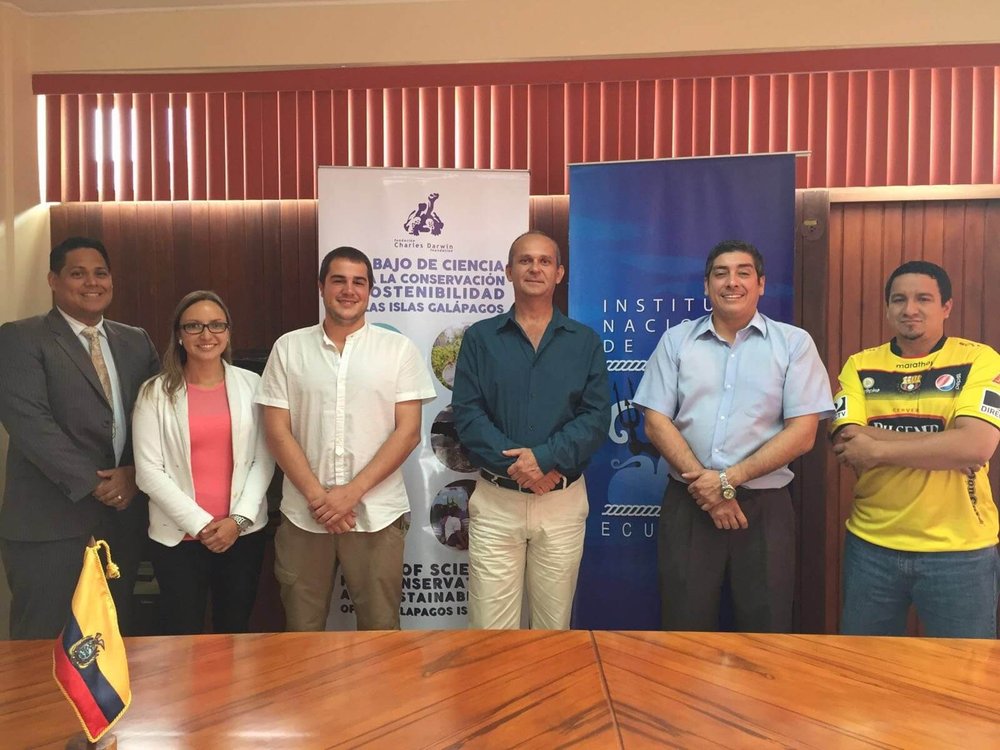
[528, 474]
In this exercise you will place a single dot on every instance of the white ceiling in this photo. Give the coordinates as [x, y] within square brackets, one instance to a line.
[99, 6]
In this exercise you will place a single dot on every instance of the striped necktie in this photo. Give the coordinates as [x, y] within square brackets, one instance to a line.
[97, 357]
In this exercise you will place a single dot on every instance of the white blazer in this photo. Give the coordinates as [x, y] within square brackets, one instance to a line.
[161, 441]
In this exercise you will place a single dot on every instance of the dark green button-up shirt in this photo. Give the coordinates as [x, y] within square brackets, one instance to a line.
[507, 395]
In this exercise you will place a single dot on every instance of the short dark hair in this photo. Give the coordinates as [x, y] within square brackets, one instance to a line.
[350, 253]
[926, 268]
[735, 246]
[533, 233]
[57, 258]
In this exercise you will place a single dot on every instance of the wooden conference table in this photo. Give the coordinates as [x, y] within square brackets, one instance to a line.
[487, 689]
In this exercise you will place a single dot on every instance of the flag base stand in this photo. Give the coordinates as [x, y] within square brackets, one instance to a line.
[80, 742]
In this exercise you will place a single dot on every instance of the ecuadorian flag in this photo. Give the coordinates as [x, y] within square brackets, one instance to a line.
[88, 661]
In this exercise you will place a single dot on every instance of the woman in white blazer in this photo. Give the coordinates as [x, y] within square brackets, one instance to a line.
[201, 456]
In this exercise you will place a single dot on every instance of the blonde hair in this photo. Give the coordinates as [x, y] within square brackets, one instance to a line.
[172, 370]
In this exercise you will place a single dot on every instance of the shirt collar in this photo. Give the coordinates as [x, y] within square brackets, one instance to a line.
[558, 319]
[706, 325]
[894, 347]
[78, 327]
[357, 333]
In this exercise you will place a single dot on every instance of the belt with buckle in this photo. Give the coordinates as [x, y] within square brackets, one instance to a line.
[509, 484]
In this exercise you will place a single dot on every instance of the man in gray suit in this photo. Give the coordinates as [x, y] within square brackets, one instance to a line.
[68, 381]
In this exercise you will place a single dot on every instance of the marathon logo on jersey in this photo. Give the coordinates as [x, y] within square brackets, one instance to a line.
[841, 407]
[910, 383]
[908, 423]
[990, 404]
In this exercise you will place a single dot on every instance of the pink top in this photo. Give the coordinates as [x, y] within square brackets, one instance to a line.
[211, 447]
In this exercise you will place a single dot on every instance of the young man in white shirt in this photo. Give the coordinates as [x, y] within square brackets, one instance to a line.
[342, 412]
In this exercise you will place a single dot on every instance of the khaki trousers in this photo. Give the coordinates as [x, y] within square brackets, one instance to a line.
[306, 566]
[521, 542]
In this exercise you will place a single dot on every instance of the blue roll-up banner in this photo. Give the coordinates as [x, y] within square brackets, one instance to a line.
[639, 233]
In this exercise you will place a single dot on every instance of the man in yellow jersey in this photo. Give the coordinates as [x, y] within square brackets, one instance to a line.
[918, 419]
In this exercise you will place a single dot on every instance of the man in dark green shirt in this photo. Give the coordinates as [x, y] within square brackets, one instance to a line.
[531, 406]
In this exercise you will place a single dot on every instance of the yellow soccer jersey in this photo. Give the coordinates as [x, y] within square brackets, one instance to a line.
[913, 509]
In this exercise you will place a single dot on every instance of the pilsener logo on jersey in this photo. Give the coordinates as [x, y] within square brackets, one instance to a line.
[908, 423]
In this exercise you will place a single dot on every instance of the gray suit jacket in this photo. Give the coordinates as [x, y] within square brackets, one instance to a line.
[60, 425]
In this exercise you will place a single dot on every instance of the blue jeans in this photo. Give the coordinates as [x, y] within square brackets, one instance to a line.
[955, 593]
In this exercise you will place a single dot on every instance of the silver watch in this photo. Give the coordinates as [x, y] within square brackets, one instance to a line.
[242, 522]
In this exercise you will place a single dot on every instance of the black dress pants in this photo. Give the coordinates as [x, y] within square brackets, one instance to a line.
[696, 559]
[189, 572]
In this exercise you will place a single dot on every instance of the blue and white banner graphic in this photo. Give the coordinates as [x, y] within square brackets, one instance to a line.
[639, 233]
[438, 242]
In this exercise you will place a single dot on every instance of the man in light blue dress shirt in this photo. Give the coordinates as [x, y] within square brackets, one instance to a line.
[730, 399]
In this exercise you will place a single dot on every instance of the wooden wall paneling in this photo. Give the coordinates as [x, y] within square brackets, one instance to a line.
[870, 290]
[58, 224]
[202, 248]
[273, 292]
[166, 265]
[969, 286]
[130, 286]
[817, 527]
[142, 272]
[892, 258]
[308, 245]
[250, 327]
[288, 254]
[239, 293]
[217, 266]
[190, 261]
[110, 235]
[954, 256]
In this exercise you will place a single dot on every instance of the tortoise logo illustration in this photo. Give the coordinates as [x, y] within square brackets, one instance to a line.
[85, 651]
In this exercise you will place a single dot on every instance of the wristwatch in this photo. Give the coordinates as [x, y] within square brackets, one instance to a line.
[728, 491]
[242, 522]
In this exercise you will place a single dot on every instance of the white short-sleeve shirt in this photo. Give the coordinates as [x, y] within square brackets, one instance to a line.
[342, 409]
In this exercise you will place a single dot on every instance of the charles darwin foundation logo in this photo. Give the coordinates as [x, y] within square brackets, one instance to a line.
[424, 219]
